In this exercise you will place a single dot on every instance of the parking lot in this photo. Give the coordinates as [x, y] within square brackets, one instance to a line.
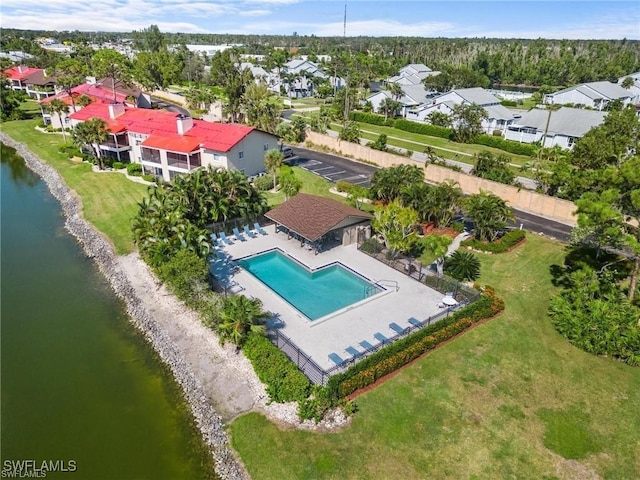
[331, 167]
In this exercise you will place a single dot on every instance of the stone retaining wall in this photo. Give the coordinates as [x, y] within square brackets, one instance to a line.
[101, 251]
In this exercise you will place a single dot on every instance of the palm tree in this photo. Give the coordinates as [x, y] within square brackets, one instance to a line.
[58, 107]
[463, 266]
[388, 106]
[91, 133]
[273, 161]
[445, 201]
[490, 214]
[84, 100]
[240, 316]
[430, 153]
[395, 89]
[627, 83]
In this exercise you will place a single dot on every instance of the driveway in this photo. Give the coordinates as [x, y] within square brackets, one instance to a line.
[332, 167]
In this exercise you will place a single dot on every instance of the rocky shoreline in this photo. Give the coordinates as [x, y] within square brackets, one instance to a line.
[96, 247]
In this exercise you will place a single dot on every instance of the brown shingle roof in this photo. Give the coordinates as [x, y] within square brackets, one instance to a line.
[40, 78]
[311, 216]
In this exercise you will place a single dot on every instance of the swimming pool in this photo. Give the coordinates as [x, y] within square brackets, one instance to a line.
[315, 293]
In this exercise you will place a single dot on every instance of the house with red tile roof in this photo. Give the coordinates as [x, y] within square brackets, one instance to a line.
[167, 143]
[100, 91]
[34, 81]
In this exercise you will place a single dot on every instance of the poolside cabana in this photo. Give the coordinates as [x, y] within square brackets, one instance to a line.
[317, 221]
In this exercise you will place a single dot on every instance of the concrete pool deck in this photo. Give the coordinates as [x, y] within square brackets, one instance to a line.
[348, 327]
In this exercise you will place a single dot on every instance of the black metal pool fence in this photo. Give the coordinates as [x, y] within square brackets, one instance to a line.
[319, 375]
[402, 263]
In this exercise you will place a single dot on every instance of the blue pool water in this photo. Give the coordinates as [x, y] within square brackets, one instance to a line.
[314, 293]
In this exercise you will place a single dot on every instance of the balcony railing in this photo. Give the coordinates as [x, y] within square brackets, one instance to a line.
[111, 145]
[150, 159]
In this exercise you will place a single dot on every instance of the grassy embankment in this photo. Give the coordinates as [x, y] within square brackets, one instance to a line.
[448, 149]
[509, 399]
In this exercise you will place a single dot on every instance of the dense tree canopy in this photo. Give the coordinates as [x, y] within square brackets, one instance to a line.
[388, 183]
[174, 215]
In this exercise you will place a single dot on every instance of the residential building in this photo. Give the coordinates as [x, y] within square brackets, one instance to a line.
[34, 81]
[634, 90]
[16, 56]
[412, 74]
[596, 95]
[413, 96]
[498, 117]
[167, 144]
[298, 77]
[560, 127]
[211, 50]
[99, 91]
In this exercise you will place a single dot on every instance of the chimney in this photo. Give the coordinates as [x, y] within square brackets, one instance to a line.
[184, 124]
[115, 110]
[21, 68]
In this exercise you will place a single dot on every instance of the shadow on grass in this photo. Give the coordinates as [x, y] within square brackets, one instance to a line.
[580, 257]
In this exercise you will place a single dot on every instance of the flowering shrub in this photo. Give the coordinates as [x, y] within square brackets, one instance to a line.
[398, 354]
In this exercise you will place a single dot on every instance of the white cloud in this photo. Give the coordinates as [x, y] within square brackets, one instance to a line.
[255, 13]
[258, 17]
[272, 2]
[94, 23]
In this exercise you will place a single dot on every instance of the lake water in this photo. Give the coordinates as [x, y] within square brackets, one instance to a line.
[79, 384]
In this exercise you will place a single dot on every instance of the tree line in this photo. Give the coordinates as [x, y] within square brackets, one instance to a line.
[534, 62]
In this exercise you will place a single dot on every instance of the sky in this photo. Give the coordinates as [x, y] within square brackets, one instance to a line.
[574, 19]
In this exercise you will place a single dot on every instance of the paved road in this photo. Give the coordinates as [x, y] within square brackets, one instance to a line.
[334, 168]
[534, 223]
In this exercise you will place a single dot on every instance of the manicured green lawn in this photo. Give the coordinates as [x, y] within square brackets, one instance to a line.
[109, 200]
[506, 400]
[313, 185]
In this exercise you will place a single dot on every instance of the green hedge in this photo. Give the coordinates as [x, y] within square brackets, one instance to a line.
[407, 349]
[264, 183]
[507, 145]
[344, 186]
[285, 383]
[424, 128]
[371, 118]
[70, 150]
[508, 240]
[134, 169]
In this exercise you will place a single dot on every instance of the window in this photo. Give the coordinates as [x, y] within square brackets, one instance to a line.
[150, 155]
[571, 141]
[240, 155]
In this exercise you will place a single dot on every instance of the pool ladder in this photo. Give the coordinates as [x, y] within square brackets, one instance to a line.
[384, 284]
